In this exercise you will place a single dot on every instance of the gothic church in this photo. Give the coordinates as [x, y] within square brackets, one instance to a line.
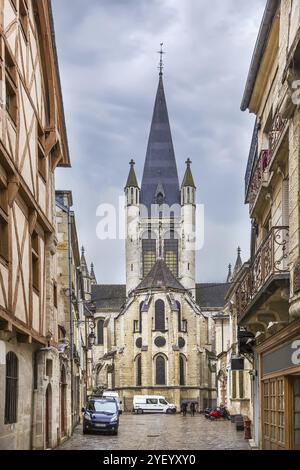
[155, 335]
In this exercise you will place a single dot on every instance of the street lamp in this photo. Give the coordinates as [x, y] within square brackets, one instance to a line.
[92, 339]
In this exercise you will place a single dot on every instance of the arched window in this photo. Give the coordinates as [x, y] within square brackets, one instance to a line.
[179, 316]
[182, 364]
[100, 332]
[11, 389]
[171, 252]
[141, 317]
[138, 365]
[160, 323]
[149, 252]
[160, 370]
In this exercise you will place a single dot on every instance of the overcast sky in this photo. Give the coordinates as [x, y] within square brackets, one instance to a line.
[108, 63]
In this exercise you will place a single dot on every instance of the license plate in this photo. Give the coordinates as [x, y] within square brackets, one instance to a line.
[100, 425]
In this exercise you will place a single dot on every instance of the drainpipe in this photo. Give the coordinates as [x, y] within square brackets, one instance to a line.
[69, 213]
[222, 325]
[71, 316]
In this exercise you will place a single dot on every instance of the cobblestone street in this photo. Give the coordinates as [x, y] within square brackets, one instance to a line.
[162, 432]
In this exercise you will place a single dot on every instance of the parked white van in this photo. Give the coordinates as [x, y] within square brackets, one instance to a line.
[115, 395]
[152, 404]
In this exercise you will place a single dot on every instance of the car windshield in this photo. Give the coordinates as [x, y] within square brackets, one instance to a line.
[106, 407]
[163, 402]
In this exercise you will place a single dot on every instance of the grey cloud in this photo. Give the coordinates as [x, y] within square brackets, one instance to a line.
[108, 64]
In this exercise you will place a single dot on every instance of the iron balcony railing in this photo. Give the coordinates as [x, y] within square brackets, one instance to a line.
[252, 156]
[259, 176]
[270, 260]
[276, 132]
[259, 162]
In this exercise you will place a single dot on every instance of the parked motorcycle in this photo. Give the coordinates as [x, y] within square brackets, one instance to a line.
[217, 413]
[207, 412]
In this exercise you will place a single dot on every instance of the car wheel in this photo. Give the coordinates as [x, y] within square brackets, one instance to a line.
[115, 433]
[85, 431]
[169, 412]
[140, 412]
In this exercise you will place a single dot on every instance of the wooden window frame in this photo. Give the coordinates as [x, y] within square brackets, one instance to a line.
[11, 388]
[10, 66]
[11, 99]
[35, 262]
[4, 223]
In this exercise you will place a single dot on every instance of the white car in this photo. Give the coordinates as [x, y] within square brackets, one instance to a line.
[115, 395]
[152, 404]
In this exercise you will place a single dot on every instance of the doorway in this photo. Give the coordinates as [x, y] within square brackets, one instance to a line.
[63, 394]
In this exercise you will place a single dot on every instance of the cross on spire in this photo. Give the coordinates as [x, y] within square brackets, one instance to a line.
[132, 163]
[188, 162]
[161, 64]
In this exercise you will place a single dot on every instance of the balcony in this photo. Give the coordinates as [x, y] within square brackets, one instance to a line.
[277, 133]
[264, 275]
[260, 176]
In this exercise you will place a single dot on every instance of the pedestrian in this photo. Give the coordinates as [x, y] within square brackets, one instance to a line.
[193, 408]
[184, 408]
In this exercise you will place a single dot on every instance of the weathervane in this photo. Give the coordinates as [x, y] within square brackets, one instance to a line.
[161, 64]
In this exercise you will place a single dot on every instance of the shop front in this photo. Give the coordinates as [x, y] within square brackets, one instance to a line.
[280, 389]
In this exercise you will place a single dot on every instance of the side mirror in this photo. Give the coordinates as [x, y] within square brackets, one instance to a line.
[83, 410]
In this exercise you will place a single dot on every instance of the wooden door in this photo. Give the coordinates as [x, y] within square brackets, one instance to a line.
[273, 414]
[295, 421]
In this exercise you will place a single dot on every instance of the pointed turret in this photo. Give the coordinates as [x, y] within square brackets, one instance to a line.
[132, 179]
[160, 165]
[85, 275]
[132, 190]
[238, 263]
[188, 180]
[229, 276]
[188, 188]
[93, 276]
[83, 263]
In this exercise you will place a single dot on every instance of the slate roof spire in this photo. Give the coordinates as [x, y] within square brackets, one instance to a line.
[160, 165]
[160, 277]
[229, 277]
[93, 275]
[239, 262]
[132, 180]
[83, 262]
[188, 180]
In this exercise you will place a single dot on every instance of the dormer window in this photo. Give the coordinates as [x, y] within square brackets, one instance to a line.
[160, 199]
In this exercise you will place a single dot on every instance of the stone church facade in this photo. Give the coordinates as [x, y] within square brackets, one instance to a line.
[155, 335]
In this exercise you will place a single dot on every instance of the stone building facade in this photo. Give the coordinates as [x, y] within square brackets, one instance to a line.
[155, 335]
[267, 295]
[234, 371]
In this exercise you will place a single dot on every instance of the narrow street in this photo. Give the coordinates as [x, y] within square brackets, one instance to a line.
[162, 432]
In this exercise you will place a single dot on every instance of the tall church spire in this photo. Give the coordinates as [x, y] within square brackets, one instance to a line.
[160, 170]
